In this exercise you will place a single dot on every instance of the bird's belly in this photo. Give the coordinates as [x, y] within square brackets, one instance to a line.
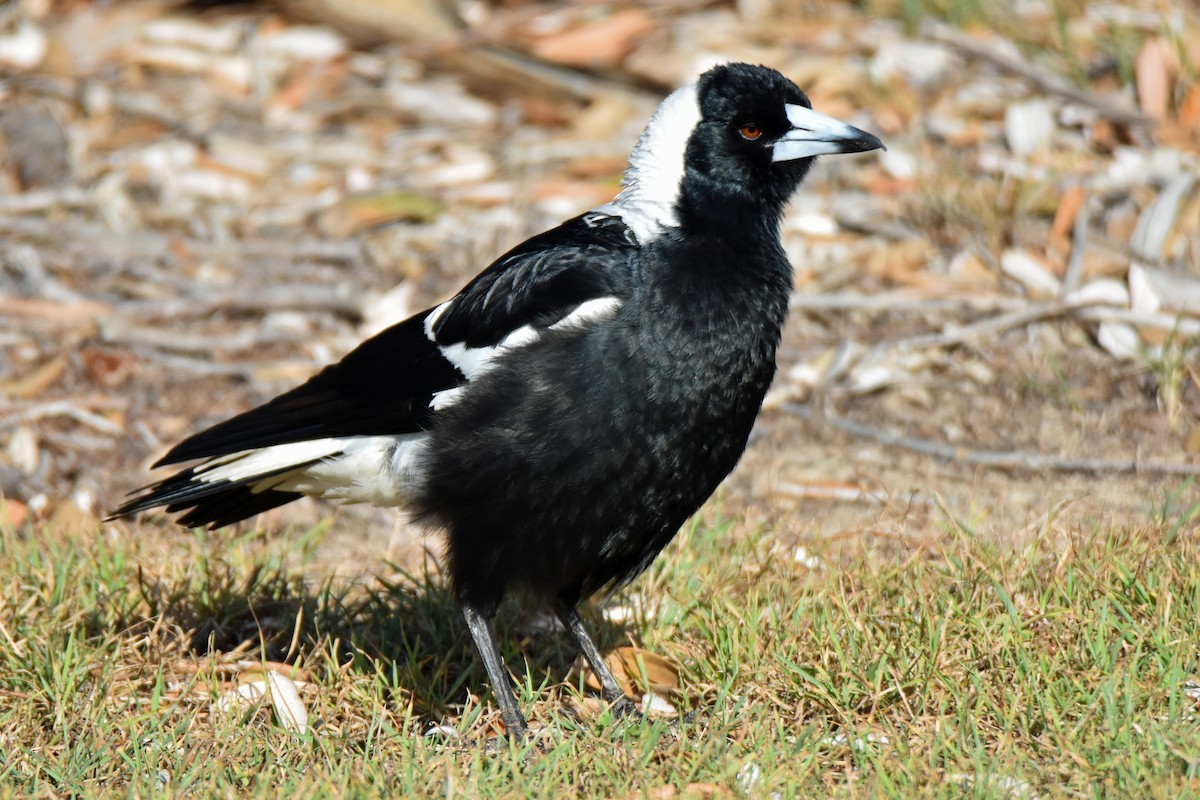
[563, 486]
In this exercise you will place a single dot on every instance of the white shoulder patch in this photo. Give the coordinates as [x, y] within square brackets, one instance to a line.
[589, 311]
[651, 183]
[475, 361]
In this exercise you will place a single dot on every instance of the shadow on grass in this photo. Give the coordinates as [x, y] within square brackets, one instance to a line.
[408, 630]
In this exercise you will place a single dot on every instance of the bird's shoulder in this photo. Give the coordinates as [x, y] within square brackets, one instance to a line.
[541, 282]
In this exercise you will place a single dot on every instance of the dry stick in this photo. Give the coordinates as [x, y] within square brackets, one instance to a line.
[59, 408]
[1047, 82]
[1002, 322]
[1079, 231]
[903, 300]
[995, 459]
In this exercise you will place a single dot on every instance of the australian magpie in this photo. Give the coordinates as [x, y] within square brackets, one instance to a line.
[564, 414]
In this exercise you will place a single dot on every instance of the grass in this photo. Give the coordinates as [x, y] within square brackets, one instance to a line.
[950, 667]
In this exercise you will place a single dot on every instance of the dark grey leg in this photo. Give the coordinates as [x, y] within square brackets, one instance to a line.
[493, 662]
[621, 705]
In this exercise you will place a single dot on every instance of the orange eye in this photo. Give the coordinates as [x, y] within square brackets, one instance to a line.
[750, 131]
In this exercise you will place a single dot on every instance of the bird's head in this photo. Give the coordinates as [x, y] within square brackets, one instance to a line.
[756, 138]
[739, 140]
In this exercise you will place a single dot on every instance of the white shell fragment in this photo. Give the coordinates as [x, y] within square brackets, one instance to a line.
[1028, 126]
[899, 164]
[25, 48]
[658, 706]
[285, 699]
[917, 63]
[1102, 291]
[1120, 340]
[1029, 272]
[1154, 226]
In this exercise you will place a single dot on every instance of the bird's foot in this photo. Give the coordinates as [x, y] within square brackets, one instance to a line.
[624, 708]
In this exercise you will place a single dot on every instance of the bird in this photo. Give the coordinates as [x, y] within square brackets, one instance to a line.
[563, 415]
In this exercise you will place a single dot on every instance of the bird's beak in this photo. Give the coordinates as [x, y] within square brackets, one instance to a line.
[814, 134]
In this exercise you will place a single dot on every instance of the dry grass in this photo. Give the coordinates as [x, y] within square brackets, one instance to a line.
[947, 667]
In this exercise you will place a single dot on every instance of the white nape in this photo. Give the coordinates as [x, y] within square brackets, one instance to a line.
[647, 202]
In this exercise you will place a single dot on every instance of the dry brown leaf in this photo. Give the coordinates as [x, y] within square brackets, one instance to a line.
[1189, 109]
[1155, 67]
[366, 211]
[68, 313]
[600, 44]
[628, 664]
[697, 790]
[584, 708]
[1191, 442]
[904, 263]
[70, 518]
[14, 513]
[37, 380]
[107, 367]
[1068, 209]
[372, 22]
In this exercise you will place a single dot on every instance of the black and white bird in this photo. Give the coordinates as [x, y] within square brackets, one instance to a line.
[565, 413]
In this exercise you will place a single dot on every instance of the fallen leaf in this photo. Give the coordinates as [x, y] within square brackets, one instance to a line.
[366, 211]
[1191, 443]
[285, 699]
[14, 513]
[107, 367]
[1155, 69]
[600, 44]
[1068, 209]
[34, 382]
[68, 517]
[1189, 109]
[638, 670]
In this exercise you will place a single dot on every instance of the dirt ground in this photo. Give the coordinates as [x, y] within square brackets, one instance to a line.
[197, 212]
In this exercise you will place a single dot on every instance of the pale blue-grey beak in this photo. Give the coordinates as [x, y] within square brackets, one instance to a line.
[815, 134]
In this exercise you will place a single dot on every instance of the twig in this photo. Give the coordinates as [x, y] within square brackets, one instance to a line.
[1182, 322]
[1079, 231]
[93, 239]
[995, 324]
[61, 408]
[195, 366]
[293, 297]
[1047, 82]
[185, 342]
[901, 301]
[994, 459]
[837, 492]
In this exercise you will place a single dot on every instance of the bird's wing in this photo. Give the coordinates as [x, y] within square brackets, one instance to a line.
[381, 387]
[539, 284]
[390, 383]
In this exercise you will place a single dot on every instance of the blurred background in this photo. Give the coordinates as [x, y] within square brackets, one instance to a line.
[202, 203]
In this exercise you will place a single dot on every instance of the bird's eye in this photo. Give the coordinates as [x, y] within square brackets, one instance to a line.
[750, 131]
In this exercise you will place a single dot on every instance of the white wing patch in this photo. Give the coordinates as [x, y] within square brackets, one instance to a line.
[651, 184]
[380, 470]
[475, 361]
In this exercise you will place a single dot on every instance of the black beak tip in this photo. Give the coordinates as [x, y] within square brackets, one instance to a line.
[864, 144]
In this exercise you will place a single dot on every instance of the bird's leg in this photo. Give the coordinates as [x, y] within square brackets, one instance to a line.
[621, 705]
[485, 642]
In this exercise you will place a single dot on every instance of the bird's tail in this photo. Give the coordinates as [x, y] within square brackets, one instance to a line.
[224, 490]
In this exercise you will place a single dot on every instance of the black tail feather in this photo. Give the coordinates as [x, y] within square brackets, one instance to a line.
[212, 504]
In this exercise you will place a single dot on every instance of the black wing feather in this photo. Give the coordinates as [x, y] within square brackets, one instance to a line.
[541, 281]
[381, 387]
[385, 385]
